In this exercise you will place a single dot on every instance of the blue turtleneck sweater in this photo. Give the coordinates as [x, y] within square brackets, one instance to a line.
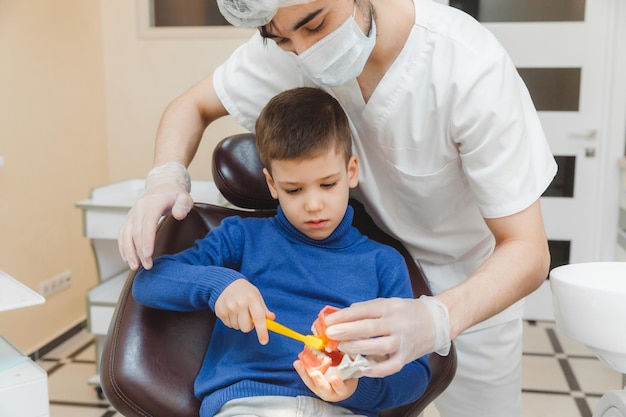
[297, 276]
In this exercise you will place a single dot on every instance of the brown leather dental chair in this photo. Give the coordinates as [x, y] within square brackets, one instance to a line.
[151, 357]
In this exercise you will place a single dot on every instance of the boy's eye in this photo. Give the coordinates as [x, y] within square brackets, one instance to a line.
[292, 190]
[328, 185]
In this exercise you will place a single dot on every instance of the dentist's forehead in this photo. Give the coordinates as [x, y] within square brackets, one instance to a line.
[253, 13]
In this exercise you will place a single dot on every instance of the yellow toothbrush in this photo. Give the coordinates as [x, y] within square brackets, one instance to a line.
[309, 340]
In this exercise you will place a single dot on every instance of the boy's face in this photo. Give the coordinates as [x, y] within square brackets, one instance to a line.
[314, 192]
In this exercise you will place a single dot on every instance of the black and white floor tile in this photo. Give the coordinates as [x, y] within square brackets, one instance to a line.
[561, 378]
[70, 367]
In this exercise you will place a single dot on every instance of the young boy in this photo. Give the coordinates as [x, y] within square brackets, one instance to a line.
[287, 267]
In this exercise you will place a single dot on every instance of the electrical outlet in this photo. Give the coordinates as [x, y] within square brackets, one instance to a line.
[55, 284]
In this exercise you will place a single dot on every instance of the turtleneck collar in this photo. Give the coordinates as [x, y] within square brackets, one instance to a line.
[343, 236]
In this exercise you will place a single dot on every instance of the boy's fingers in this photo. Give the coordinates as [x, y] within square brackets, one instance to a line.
[258, 315]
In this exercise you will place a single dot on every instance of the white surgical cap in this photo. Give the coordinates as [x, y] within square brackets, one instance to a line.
[253, 13]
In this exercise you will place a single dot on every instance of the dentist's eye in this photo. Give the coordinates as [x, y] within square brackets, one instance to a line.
[317, 28]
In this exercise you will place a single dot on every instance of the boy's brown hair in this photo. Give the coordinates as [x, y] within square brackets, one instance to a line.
[302, 123]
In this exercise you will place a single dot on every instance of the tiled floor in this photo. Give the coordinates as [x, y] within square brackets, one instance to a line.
[561, 378]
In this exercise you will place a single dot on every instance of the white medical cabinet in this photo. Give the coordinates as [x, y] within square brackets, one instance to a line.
[23, 384]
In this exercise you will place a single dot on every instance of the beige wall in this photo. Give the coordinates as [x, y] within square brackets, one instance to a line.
[83, 84]
[53, 141]
[145, 69]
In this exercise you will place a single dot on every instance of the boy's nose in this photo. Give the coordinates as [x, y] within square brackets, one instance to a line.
[313, 203]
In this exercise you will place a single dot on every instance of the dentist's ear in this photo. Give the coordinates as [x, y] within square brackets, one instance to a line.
[270, 183]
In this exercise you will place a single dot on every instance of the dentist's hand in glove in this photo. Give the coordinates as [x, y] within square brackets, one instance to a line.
[399, 329]
[167, 191]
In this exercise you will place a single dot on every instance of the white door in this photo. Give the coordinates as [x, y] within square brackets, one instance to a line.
[573, 58]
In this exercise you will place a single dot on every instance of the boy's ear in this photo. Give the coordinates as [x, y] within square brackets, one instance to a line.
[270, 183]
[353, 172]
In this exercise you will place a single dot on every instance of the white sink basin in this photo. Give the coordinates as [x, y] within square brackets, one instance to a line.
[590, 307]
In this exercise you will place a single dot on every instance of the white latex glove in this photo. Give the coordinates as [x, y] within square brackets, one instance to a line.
[167, 191]
[398, 328]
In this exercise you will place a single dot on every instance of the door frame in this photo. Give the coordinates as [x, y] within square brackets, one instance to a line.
[615, 126]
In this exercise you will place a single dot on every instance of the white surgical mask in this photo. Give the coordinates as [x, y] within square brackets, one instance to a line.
[339, 56]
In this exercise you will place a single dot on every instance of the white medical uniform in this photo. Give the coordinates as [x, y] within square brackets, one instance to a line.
[449, 136]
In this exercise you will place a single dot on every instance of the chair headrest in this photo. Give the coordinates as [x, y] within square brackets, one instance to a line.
[238, 173]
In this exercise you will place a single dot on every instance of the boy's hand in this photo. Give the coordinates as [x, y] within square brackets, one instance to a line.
[240, 306]
[334, 390]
